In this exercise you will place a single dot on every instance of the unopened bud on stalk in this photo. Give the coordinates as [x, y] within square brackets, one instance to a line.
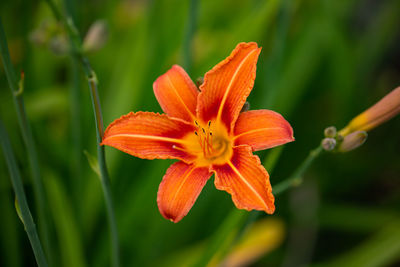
[328, 144]
[96, 36]
[383, 110]
[59, 45]
[245, 107]
[330, 132]
[51, 35]
[199, 82]
[38, 37]
[352, 141]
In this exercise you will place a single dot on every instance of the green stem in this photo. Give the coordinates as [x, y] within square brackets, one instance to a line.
[297, 176]
[293, 180]
[29, 142]
[92, 80]
[16, 181]
[236, 219]
[105, 180]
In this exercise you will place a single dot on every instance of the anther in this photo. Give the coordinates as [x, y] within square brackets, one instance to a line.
[195, 132]
[203, 130]
[209, 123]
[196, 123]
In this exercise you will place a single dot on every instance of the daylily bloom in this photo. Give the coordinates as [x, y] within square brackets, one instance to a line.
[207, 133]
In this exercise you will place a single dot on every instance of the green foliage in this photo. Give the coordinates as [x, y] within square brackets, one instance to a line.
[322, 63]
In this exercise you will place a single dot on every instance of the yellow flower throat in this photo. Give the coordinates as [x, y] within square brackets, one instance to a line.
[211, 144]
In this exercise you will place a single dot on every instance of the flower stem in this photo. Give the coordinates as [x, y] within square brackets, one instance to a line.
[297, 176]
[26, 131]
[293, 180]
[26, 215]
[76, 51]
[236, 219]
[105, 180]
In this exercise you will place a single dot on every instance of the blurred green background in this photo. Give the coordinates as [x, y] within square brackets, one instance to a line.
[322, 63]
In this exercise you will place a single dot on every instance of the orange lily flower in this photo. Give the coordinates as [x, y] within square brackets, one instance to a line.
[207, 132]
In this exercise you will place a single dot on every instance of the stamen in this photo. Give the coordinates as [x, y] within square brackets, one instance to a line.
[209, 141]
[201, 142]
[204, 147]
[205, 138]
[208, 144]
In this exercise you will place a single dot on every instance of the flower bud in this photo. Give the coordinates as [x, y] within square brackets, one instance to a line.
[246, 107]
[383, 110]
[352, 141]
[328, 144]
[96, 36]
[59, 45]
[330, 132]
[51, 35]
[199, 82]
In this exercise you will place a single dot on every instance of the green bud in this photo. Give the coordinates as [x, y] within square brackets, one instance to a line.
[199, 82]
[330, 132]
[96, 36]
[352, 141]
[328, 144]
[245, 107]
[59, 45]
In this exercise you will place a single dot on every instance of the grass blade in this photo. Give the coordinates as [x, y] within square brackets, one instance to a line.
[16, 181]
[29, 143]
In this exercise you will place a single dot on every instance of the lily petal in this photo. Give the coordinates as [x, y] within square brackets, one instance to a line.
[149, 135]
[246, 180]
[262, 129]
[177, 94]
[227, 85]
[179, 189]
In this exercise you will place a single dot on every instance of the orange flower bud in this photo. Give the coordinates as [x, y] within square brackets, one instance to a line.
[385, 109]
[352, 141]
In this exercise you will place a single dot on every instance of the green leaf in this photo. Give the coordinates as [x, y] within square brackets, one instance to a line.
[70, 239]
[17, 208]
[94, 164]
[382, 249]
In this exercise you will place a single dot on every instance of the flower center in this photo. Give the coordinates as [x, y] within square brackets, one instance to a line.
[210, 143]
